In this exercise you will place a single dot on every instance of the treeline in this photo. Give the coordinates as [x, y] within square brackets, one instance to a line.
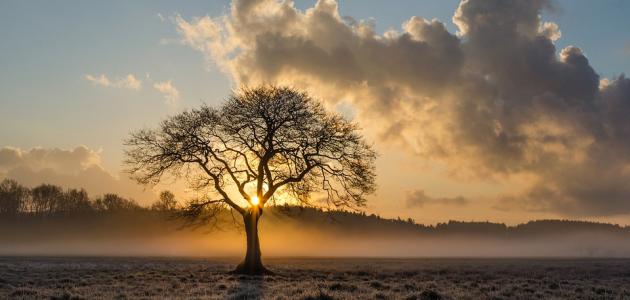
[360, 221]
[48, 199]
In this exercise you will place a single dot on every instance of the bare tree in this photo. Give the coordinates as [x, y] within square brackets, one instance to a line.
[46, 198]
[114, 203]
[166, 203]
[263, 145]
[73, 201]
[13, 197]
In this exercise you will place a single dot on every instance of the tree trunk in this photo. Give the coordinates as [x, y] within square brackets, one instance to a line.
[252, 264]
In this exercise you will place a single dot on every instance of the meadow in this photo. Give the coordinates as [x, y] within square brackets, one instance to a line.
[314, 278]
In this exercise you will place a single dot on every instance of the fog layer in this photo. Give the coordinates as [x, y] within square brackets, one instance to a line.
[305, 233]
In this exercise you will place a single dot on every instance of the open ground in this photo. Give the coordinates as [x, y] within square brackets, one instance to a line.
[314, 278]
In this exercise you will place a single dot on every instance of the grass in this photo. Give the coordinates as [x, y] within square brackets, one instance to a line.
[425, 279]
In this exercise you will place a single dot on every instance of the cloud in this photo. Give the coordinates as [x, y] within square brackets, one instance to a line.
[494, 100]
[418, 198]
[72, 168]
[101, 80]
[127, 82]
[70, 161]
[168, 90]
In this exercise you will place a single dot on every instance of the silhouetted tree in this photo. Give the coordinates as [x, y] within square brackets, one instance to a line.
[74, 201]
[166, 202]
[46, 198]
[260, 144]
[115, 203]
[13, 197]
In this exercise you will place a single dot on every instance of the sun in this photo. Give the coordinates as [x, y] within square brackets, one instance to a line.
[255, 200]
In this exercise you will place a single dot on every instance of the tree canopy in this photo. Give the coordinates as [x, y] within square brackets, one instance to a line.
[262, 142]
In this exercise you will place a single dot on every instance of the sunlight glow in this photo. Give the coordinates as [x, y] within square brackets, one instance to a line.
[255, 200]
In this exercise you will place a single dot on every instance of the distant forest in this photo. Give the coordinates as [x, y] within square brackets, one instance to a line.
[18, 201]
[48, 199]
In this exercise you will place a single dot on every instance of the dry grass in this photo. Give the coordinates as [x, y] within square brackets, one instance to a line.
[168, 278]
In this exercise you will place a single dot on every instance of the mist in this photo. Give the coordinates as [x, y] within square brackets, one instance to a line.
[304, 233]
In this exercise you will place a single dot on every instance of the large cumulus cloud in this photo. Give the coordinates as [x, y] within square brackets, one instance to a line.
[495, 99]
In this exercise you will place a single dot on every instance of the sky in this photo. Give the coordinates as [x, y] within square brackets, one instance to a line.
[511, 111]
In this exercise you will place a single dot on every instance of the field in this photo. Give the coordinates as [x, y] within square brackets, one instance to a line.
[171, 278]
